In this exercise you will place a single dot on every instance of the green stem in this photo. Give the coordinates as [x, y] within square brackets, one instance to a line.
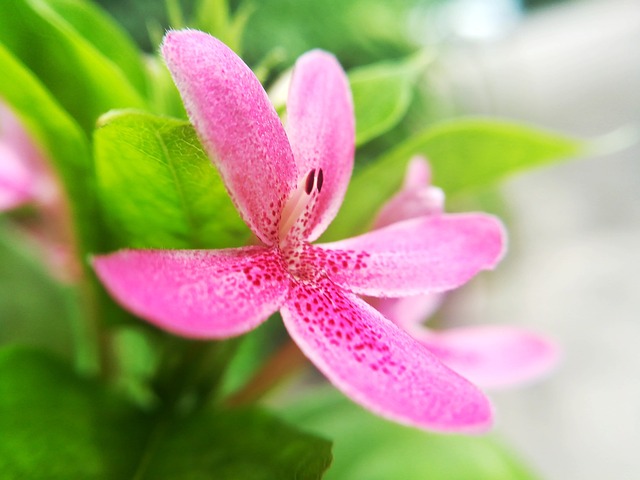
[286, 361]
[193, 373]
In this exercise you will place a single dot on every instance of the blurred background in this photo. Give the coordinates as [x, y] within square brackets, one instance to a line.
[571, 66]
[575, 228]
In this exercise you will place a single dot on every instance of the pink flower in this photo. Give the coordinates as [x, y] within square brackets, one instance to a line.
[489, 356]
[23, 177]
[26, 178]
[288, 186]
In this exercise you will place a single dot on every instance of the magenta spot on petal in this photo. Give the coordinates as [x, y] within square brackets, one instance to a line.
[320, 180]
[308, 186]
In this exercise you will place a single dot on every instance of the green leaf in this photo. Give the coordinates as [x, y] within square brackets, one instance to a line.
[164, 96]
[214, 17]
[107, 36]
[33, 297]
[85, 82]
[244, 444]
[61, 139]
[357, 31]
[382, 93]
[158, 188]
[56, 425]
[464, 155]
[370, 448]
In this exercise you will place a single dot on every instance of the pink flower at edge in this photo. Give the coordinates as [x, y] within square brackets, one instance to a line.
[288, 186]
[20, 163]
[27, 179]
[491, 355]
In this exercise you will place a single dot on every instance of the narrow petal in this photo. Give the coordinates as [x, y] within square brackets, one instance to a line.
[320, 124]
[418, 174]
[378, 365]
[237, 124]
[407, 312]
[417, 197]
[197, 293]
[17, 181]
[491, 356]
[425, 255]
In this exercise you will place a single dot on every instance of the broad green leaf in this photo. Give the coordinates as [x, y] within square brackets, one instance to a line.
[157, 187]
[382, 93]
[464, 155]
[82, 79]
[367, 447]
[56, 425]
[106, 36]
[61, 139]
[244, 444]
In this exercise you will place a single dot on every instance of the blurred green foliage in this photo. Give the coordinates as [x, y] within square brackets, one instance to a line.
[56, 425]
[370, 448]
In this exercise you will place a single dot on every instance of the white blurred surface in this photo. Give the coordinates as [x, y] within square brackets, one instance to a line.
[575, 239]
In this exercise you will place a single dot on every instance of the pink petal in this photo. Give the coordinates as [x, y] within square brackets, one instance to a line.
[21, 164]
[416, 199]
[17, 181]
[378, 365]
[491, 356]
[237, 125]
[424, 255]
[197, 293]
[322, 133]
[407, 312]
[418, 174]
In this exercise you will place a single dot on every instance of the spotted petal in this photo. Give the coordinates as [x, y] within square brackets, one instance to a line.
[197, 293]
[491, 356]
[423, 255]
[320, 124]
[237, 124]
[378, 365]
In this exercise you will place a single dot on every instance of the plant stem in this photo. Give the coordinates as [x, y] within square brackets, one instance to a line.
[286, 361]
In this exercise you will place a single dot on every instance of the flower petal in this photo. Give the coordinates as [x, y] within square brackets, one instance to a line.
[418, 174]
[407, 312]
[320, 124]
[424, 255]
[197, 293]
[491, 356]
[416, 199]
[378, 365]
[237, 125]
[17, 182]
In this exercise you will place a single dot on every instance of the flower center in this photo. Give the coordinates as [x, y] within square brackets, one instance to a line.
[296, 211]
